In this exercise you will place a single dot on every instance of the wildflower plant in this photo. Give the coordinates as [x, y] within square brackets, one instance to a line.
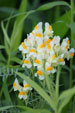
[43, 53]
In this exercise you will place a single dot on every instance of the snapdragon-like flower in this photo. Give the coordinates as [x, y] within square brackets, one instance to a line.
[43, 50]
[23, 90]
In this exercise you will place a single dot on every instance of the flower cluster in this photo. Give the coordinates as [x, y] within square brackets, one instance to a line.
[23, 90]
[43, 50]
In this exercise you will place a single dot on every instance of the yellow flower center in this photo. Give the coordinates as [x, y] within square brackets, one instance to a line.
[68, 42]
[42, 45]
[62, 60]
[48, 41]
[53, 57]
[32, 50]
[49, 46]
[26, 85]
[72, 54]
[49, 68]
[50, 27]
[26, 61]
[14, 84]
[36, 27]
[37, 61]
[67, 47]
[39, 35]
[23, 45]
[39, 72]
[22, 93]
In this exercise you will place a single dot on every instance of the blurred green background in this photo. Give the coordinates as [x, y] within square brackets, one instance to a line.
[8, 8]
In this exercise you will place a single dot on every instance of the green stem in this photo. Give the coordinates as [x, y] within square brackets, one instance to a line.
[57, 82]
[48, 82]
[72, 9]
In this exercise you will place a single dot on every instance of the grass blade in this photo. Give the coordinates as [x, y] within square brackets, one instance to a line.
[5, 34]
[51, 5]
[15, 39]
[65, 98]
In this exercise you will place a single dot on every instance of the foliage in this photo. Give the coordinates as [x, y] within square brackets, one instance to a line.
[13, 21]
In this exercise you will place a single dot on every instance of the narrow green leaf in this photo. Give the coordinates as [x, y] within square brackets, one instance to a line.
[14, 106]
[51, 5]
[26, 109]
[5, 33]
[2, 58]
[16, 35]
[6, 93]
[37, 111]
[67, 93]
[17, 60]
[65, 98]
[6, 39]
[6, 107]
[38, 89]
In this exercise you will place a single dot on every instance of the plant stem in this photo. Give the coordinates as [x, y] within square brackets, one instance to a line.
[57, 82]
[72, 9]
[71, 61]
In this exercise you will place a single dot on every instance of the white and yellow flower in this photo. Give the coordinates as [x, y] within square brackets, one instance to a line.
[61, 60]
[52, 57]
[65, 45]
[40, 74]
[38, 28]
[23, 48]
[40, 46]
[22, 95]
[32, 52]
[49, 68]
[26, 87]
[27, 63]
[48, 30]
[38, 62]
[56, 40]
[16, 85]
[69, 54]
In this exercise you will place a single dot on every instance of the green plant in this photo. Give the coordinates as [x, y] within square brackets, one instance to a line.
[10, 46]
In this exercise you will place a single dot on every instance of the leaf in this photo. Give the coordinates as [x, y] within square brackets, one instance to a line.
[5, 33]
[67, 92]
[51, 5]
[36, 111]
[26, 109]
[65, 98]
[14, 106]
[2, 58]
[6, 93]
[16, 35]
[17, 60]
[61, 27]
[6, 39]
[38, 89]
